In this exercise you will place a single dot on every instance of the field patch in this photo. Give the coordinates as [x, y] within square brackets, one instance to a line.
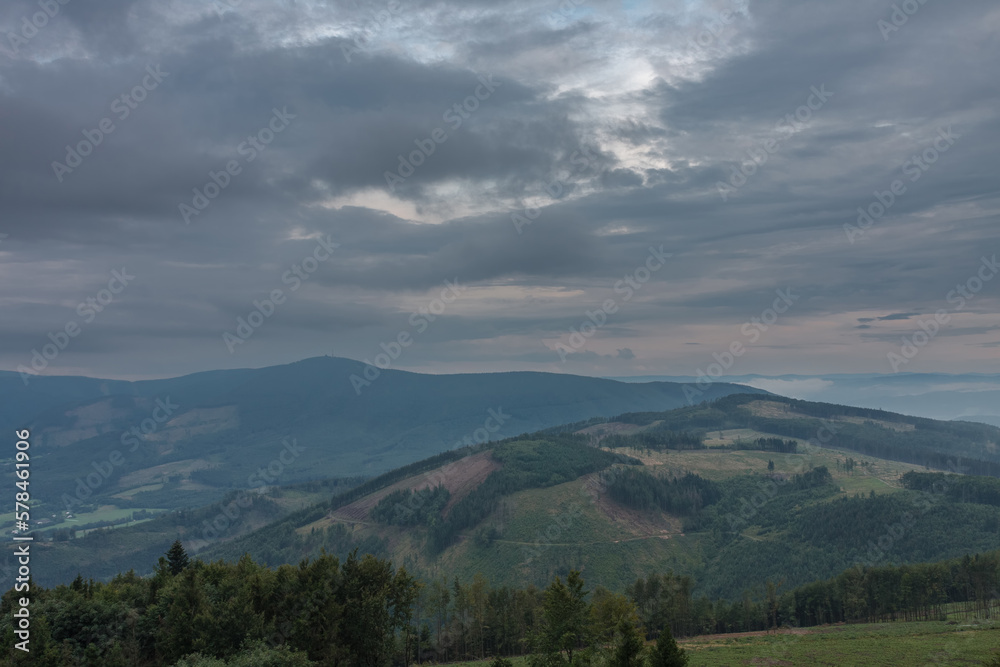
[198, 421]
[155, 473]
[861, 645]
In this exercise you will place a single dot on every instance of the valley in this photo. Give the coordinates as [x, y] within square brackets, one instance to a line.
[750, 508]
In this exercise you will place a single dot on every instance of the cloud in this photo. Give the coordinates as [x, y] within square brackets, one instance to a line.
[612, 126]
[896, 316]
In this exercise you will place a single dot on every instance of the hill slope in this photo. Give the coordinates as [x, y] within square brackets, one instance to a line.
[185, 441]
[732, 493]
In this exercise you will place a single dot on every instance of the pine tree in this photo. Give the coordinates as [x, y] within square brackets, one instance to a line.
[177, 558]
[667, 653]
[564, 616]
[628, 648]
[770, 464]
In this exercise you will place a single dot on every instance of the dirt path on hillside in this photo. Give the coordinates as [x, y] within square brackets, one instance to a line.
[662, 536]
[739, 635]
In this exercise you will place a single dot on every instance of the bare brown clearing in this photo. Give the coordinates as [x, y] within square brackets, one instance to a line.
[459, 477]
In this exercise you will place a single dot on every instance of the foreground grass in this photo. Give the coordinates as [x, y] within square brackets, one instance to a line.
[888, 644]
[876, 645]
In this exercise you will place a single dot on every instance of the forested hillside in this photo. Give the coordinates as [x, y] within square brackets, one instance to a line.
[184, 441]
[364, 611]
[701, 491]
[114, 453]
[731, 514]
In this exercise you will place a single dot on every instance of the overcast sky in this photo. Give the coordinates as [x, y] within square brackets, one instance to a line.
[585, 135]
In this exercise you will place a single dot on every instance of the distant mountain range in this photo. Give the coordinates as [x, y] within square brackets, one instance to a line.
[184, 441]
[522, 508]
[968, 396]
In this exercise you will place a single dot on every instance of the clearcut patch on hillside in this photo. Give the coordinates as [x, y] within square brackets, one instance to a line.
[459, 477]
[636, 522]
[199, 421]
[88, 421]
[157, 473]
[775, 410]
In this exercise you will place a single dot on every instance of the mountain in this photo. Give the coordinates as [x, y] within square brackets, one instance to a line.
[733, 493]
[109, 452]
[966, 396]
[984, 419]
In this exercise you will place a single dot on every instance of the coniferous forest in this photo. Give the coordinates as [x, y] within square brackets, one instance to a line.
[365, 612]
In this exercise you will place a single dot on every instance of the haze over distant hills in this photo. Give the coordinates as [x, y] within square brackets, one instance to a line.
[186, 440]
[968, 396]
[524, 508]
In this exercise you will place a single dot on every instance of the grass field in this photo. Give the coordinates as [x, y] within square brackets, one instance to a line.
[870, 474]
[888, 644]
[103, 513]
[875, 645]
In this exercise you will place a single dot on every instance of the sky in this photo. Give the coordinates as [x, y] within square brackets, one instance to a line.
[598, 188]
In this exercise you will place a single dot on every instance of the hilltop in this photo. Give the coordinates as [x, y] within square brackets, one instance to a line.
[186, 441]
[732, 493]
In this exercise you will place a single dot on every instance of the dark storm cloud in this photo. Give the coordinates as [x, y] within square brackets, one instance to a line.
[664, 121]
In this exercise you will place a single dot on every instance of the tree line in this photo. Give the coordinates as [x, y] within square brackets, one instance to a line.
[683, 496]
[981, 490]
[655, 441]
[365, 612]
